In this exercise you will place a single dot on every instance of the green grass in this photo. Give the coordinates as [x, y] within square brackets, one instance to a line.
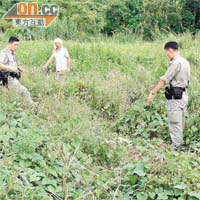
[94, 137]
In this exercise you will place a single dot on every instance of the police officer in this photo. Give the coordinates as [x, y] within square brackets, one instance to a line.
[178, 76]
[8, 61]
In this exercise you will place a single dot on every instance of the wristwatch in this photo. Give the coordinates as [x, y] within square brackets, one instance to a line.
[152, 92]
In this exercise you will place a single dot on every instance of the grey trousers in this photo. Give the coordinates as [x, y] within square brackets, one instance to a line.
[176, 116]
[60, 75]
[13, 83]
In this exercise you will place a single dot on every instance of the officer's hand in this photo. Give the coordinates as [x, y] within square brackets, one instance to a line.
[20, 69]
[150, 99]
[13, 69]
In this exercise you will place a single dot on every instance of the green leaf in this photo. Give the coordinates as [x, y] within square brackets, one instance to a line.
[195, 194]
[178, 192]
[139, 169]
[152, 195]
[142, 196]
[181, 186]
[133, 180]
[162, 196]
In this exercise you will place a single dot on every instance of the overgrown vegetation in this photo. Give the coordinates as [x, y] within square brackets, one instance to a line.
[82, 19]
[94, 137]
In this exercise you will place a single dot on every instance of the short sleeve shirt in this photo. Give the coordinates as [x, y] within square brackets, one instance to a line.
[8, 57]
[61, 61]
[178, 72]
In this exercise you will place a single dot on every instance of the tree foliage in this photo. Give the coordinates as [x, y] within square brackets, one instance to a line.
[148, 18]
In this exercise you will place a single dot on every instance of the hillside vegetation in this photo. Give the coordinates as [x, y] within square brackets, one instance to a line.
[86, 18]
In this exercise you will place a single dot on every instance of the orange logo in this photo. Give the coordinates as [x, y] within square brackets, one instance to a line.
[27, 14]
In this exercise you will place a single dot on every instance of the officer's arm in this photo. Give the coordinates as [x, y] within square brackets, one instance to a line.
[3, 60]
[155, 90]
[3, 67]
[171, 73]
[8, 68]
[158, 87]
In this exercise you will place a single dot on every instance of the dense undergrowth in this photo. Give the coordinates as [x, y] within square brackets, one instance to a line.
[94, 137]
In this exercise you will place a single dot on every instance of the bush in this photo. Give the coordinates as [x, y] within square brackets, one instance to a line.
[123, 16]
[190, 15]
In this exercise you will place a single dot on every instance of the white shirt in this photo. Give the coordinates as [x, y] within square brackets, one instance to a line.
[61, 61]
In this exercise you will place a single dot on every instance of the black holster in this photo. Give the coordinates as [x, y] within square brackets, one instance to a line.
[174, 92]
[168, 93]
[178, 92]
[5, 74]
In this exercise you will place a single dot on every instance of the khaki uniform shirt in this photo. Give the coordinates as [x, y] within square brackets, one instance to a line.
[178, 74]
[7, 57]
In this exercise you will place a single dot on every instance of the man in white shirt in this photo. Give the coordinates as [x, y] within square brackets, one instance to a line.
[63, 60]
